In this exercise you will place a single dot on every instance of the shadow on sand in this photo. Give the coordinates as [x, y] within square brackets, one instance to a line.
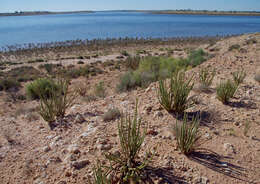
[164, 175]
[215, 162]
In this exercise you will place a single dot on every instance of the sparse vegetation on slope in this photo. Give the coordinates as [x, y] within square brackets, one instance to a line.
[174, 95]
[187, 135]
[226, 90]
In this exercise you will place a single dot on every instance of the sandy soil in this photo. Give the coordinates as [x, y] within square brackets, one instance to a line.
[32, 153]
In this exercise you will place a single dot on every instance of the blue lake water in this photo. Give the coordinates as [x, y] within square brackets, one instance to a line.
[62, 27]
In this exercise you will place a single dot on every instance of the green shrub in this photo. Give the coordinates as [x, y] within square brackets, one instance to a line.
[187, 135]
[234, 47]
[206, 78]
[239, 77]
[174, 96]
[226, 90]
[40, 87]
[124, 163]
[99, 175]
[132, 62]
[80, 57]
[80, 62]
[111, 114]
[23, 74]
[100, 90]
[126, 83]
[251, 41]
[55, 104]
[125, 53]
[8, 84]
[48, 67]
[196, 57]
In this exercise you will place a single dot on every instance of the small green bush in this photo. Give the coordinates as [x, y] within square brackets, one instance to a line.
[125, 53]
[226, 90]
[54, 106]
[174, 96]
[206, 77]
[196, 57]
[48, 67]
[234, 47]
[132, 62]
[8, 84]
[100, 90]
[80, 62]
[239, 77]
[251, 41]
[131, 136]
[112, 114]
[126, 83]
[99, 175]
[187, 135]
[40, 87]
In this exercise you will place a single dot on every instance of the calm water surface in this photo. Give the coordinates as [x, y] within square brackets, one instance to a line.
[49, 28]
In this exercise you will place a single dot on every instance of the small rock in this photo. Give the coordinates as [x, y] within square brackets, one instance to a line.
[104, 147]
[80, 164]
[236, 123]
[79, 119]
[229, 148]
[73, 148]
[54, 160]
[166, 134]
[201, 180]
[208, 136]
[46, 149]
[158, 114]
[62, 182]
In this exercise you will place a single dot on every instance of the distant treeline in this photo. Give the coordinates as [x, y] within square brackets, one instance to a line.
[24, 13]
[205, 12]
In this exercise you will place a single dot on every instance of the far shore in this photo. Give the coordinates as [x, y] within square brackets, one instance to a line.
[41, 13]
[205, 12]
[181, 12]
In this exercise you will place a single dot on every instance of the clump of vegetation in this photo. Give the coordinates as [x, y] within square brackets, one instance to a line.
[55, 104]
[174, 95]
[239, 77]
[251, 41]
[206, 77]
[124, 166]
[40, 87]
[125, 53]
[36, 61]
[196, 57]
[187, 135]
[132, 62]
[234, 47]
[23, 74]
[112, 114]
[100, 90]
[48, 67]
[246, 128]
[150, 69]
[9, 84]
[80, 62]
[99, 175]
[226, 90]
[153, 68]
[126, 83]
[81, 90]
